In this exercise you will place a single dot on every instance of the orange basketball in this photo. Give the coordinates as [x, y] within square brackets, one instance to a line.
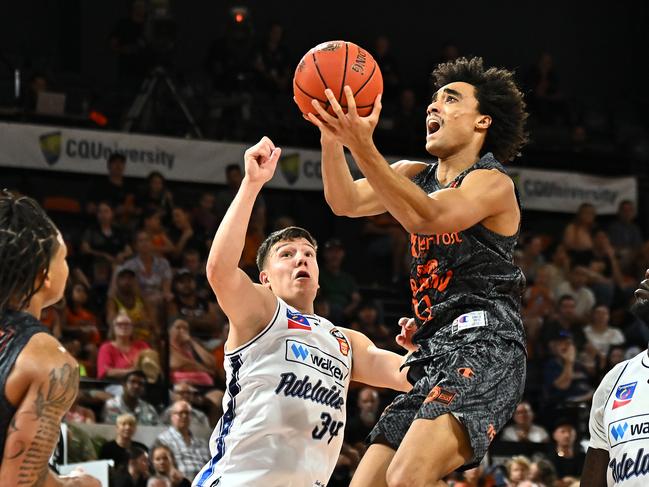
[333, 65]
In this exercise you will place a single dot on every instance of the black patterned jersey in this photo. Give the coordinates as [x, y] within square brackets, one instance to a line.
[463, 281]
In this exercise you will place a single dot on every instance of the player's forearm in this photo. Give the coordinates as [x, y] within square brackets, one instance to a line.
[401, 197]
[385, 370]
[230, 237]
[339, 189]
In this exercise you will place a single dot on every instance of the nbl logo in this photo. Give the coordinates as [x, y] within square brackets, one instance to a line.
[624, 394]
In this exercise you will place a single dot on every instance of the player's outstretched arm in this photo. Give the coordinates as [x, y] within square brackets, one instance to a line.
[44, 384]
[248, 306]
[374, 366]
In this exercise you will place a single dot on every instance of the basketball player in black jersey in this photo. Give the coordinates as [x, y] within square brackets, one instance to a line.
[463, 216]
[38, 378]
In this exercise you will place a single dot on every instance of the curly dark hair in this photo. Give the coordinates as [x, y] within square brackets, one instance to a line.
[28, 241]
[284, 235]
[498, 96]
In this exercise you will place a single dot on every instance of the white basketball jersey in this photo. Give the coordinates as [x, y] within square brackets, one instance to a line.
[619, 422]
[284, 407]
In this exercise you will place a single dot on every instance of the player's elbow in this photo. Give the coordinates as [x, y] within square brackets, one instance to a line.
[419, 224]
[338, 205]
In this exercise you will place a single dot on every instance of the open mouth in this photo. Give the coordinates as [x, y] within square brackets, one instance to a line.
[302, 275]
[433, 126]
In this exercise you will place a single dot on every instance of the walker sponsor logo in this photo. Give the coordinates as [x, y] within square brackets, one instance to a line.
[303, 388]
[629, 429]
[51, 147]
[624, 394]
[305, 354]
[91, 149]
[630, 466]
[619, 430]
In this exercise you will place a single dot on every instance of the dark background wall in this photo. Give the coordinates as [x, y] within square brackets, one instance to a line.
[596, 45]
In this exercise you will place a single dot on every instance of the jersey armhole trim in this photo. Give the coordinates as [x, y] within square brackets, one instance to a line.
[259, 335]
[615, 384]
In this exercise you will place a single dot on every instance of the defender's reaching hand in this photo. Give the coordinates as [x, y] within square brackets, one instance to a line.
[261, 161]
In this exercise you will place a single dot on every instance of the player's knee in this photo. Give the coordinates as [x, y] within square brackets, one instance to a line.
[399, 475]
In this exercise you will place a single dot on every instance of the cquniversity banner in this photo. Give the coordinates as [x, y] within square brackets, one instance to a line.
[564, 191]
[86, 151]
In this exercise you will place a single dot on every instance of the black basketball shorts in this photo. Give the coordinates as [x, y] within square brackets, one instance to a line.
[480, 383]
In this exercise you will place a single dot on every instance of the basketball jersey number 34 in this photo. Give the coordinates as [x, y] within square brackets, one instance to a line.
[284, 407]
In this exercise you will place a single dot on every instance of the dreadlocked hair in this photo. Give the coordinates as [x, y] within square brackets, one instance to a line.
[498, 96]
[27, 244]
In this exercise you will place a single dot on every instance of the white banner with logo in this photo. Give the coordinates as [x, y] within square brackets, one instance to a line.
[564, 191]
[86, 151]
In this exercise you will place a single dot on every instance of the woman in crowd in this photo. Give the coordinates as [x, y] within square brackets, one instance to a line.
[117, 449]
[119, 356]
[189, 361]
[164, 464]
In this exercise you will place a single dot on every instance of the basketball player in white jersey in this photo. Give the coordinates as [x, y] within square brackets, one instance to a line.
[287, 370]
[618, 453]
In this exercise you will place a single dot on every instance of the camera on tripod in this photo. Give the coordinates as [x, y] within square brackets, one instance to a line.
[160, 35]
[161, 30]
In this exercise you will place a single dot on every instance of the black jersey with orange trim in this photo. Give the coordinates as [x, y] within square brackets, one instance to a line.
[461, 272]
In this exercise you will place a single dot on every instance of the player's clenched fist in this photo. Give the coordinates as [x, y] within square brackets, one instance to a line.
[261, 160]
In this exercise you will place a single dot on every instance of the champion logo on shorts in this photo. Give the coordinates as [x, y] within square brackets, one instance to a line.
[473, 319]
[466, 372]
[491, 432]
[296, 321]
[440, 395]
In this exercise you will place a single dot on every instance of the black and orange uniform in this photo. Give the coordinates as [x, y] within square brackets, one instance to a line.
[16, 329]
[466, 300]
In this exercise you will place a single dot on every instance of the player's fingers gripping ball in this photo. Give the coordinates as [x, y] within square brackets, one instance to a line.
[333, 65]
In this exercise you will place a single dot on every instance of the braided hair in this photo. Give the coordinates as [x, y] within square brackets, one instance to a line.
[28, 241]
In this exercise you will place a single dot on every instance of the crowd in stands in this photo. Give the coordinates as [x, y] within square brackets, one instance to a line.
[142, 320]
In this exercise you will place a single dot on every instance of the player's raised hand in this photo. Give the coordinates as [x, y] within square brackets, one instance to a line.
[261, 160]
[408, 329]
[352, 130]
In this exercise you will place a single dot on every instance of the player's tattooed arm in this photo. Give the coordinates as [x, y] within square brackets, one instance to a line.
[34, 430]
